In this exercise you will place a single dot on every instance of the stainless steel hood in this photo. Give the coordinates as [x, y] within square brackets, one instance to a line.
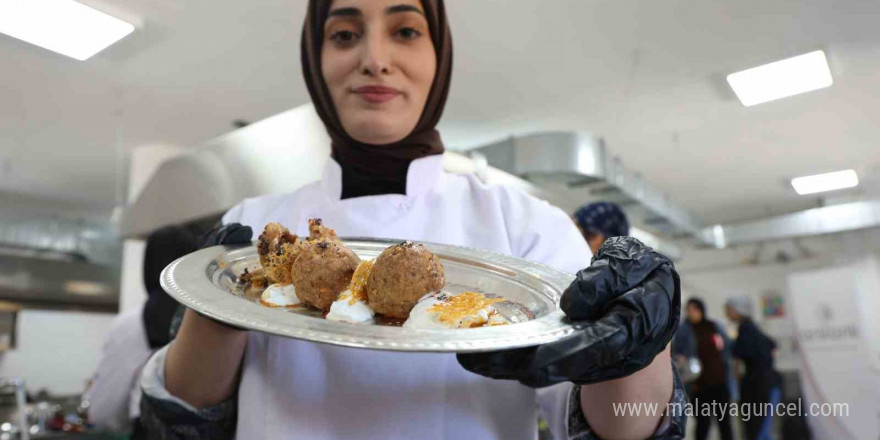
[578, 164]
[37, 282]
[275, 155]
[576, 167]
[60, 260]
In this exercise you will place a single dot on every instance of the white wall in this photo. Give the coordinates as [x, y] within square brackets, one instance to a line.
[132, 292]
[56, 350]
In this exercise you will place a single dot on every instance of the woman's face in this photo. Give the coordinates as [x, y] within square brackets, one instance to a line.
[694, 315]
[379, 62]
[731, 313]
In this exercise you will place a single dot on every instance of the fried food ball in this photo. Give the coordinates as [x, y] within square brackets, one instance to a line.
[322, 271]
[400, 276]
[278, 249]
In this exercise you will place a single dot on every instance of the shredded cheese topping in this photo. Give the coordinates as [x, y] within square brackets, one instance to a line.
[461, 306]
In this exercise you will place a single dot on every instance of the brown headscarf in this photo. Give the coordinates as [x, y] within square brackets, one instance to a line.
[378, 169]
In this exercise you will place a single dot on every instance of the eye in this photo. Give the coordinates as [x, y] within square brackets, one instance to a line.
[407, 33]
[344, 37]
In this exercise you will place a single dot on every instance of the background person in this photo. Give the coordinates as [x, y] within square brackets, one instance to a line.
[601, 221]
[715, 383]
[760, 384]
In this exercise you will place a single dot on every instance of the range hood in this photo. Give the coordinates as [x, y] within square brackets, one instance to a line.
[36, 282]
[276, 155]
[58, 262]
[575, 167]
[578, 165]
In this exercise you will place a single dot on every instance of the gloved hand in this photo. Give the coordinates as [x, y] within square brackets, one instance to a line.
[625, 308]
[231, 234]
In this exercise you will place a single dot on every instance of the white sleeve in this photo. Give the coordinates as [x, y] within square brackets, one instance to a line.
[119, 367]
[543, 233]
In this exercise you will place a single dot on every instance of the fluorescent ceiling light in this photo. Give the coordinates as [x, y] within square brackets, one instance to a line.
[792, 76]
[62, 26]
[825, 182]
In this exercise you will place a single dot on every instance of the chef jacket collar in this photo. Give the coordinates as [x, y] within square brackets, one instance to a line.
[421, 177]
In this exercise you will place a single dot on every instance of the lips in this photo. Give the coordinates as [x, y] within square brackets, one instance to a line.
[377, 94]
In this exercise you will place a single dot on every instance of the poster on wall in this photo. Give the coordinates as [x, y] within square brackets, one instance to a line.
[773, 305]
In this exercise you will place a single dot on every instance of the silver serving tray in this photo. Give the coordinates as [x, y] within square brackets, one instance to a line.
[206, 281]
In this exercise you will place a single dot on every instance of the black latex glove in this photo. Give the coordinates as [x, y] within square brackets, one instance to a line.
[625, 309]
[231, 234]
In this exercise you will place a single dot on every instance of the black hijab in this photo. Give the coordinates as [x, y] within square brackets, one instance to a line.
[378, 169]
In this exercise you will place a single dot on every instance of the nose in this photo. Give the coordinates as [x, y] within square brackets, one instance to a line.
[376, 59]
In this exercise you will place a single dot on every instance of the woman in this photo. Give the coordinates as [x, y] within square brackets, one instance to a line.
[760, 385]
[378, 72]
[714, 386]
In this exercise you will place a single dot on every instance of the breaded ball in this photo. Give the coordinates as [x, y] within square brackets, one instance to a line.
[400, 276]
[322, 271]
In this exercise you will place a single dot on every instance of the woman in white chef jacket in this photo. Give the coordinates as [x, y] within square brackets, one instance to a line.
[378, 72]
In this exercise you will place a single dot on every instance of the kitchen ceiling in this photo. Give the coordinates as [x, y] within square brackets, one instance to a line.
[648, 76]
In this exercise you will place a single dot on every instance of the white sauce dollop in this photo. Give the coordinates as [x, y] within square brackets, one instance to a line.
[346, 310]
[280, 295]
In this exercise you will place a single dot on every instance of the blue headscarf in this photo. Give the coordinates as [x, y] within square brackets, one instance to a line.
[603, 218]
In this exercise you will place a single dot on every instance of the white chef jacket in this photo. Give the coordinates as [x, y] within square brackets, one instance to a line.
[114, 395]
[292, 389]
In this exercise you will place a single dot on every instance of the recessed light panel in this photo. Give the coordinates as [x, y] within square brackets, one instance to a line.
[825, 182]
[62, 26]
[792, 76]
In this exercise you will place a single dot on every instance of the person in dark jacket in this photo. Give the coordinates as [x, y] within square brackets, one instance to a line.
[711, 387]
[760, 385]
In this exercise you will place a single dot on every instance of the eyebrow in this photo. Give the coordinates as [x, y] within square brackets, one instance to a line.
[403, 8]
[345, 12]
[355, 12]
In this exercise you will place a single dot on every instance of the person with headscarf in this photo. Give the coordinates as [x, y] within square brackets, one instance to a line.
[714, 385]
[760, 384]
[601, 221]
[378, 73]
[114, 395]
